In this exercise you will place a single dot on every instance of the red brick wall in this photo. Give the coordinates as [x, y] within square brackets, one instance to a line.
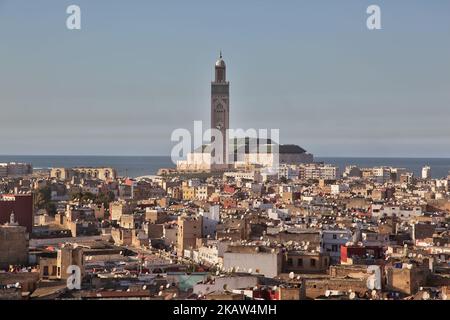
[23, 210]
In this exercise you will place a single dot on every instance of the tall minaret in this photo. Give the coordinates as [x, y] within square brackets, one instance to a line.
[220, 100]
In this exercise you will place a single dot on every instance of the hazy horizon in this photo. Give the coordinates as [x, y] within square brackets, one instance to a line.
[137, 71]
[169, 156]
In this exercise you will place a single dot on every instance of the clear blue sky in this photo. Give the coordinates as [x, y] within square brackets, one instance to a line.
[139, 69]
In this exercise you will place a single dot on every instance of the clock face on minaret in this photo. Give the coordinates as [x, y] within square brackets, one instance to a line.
[220, 99]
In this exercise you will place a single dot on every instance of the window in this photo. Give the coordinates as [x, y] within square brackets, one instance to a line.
[54, 270]
[334, 248]
[45, 271]
[290, 262]
[313, 262]
[334, 236]
[300, 262]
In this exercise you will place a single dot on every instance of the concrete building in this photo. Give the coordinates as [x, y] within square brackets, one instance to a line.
[222, 284]
[305, 262]
[332, 240]
[54, 266]
[13, 244]
[119, 208]
[407, 279]
[253, 175]
[426, 172]
[318, 172]
[257, 259]
[203, 192]
[14, 169]
[210, 219]
[382, 174]
[189, 230]
[401, 212]
[288, 172]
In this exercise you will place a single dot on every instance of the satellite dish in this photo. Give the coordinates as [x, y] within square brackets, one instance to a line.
[425, 296]
[160, 293]
[352, 296]
[291, 275]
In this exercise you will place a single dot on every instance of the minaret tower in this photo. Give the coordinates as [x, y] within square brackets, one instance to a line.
[220, 100]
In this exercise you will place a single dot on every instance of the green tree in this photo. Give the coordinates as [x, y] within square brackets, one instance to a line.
[44, 200]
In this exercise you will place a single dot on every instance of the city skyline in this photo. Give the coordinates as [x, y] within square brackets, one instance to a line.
[131, 76]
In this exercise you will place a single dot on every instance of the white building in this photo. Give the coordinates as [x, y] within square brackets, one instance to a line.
[220, 284]
[382, 174]
[209, 255]
[253, 175]
[332, 240]
[404, 213]
[278, 214]
[288, 171]
[426, 172]
[374, 239]
[259, 260]
[338, 188]
[210, 219]
[318, 171]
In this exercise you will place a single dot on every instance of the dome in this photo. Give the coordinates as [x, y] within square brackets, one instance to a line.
[220, 63]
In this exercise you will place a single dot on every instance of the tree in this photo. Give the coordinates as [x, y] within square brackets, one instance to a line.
[44, 200]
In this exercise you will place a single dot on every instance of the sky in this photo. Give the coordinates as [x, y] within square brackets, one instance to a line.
[137, 70]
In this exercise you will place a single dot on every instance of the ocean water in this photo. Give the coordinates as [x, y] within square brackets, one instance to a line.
[135, 166]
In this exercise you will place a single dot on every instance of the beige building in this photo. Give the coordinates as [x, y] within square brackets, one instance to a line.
[119, 208]
[122, 237]
[306, 262]
[13, 245]
[56, 267]
[203, 192]
[189, 230]
[188, 193]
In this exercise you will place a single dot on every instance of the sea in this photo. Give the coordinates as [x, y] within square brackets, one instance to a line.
[136, 166]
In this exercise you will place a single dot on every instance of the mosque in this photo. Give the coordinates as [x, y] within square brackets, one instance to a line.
[237, 151]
